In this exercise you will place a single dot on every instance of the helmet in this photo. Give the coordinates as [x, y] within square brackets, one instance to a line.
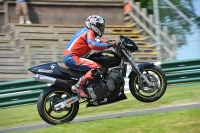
[96, 23]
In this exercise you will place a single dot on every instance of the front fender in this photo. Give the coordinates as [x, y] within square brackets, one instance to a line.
[141, 67]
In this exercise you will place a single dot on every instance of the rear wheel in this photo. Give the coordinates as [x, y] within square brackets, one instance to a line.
[141, 91]
[51, 96]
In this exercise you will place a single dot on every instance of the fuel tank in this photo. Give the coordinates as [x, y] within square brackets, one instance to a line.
[105, 58]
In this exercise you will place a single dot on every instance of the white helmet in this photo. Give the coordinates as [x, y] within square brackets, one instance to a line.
[96, 23]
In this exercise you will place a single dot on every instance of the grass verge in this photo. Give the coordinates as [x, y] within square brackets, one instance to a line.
[185, 121]
[25, 115]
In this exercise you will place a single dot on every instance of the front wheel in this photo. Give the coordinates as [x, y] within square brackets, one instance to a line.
[141, 91]
[48, 98]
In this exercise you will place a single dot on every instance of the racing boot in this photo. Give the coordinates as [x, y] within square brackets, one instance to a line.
[78, 88]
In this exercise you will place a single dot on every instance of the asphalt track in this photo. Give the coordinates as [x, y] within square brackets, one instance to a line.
[106, 116]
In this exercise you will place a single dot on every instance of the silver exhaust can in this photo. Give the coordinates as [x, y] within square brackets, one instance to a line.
[45, 79]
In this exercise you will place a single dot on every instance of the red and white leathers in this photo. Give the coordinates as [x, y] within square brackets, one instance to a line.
[81, 44]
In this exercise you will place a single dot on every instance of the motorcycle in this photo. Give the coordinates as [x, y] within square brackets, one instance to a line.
[58, 104]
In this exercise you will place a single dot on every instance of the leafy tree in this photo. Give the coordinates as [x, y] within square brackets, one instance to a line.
[170, 18]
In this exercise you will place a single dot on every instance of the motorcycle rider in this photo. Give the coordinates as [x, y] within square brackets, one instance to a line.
[81, 44]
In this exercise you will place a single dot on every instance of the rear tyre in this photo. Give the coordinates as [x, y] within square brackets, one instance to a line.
[51, 96]
[141, 91]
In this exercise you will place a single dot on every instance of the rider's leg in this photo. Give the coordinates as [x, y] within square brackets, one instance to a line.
[78, 87]
[82, 64]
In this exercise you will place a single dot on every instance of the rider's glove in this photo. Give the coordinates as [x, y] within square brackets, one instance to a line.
[111, 44]
[108, 45]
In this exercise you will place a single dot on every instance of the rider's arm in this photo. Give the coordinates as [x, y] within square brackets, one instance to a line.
[94, 44]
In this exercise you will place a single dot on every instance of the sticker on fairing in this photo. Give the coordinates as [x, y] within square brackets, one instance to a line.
[45, 71]
[39, 76]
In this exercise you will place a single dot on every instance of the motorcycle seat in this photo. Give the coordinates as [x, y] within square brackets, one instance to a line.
[72, 72]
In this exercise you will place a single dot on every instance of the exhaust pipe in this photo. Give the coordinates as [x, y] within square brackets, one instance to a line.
[54, 81]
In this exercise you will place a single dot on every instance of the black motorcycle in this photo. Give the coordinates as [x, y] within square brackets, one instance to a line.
[58, 104]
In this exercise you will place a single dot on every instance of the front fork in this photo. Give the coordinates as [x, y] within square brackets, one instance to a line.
[133, 65]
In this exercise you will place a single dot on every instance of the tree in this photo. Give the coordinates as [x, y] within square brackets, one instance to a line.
[169, 18]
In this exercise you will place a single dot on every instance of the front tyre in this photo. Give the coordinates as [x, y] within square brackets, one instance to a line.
[51, 96]
[141, 91]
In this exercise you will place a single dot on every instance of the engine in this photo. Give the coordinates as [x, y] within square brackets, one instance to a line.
[105, 86]
[112, 78]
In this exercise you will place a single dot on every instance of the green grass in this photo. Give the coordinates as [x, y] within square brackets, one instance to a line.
[25, 115]
[184, 121]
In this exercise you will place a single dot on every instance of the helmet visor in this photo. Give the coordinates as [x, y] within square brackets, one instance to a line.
[101, 28]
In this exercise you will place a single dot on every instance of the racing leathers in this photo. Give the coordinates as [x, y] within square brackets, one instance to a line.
[81, 44]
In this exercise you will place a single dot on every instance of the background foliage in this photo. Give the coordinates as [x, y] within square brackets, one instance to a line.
[170, 19]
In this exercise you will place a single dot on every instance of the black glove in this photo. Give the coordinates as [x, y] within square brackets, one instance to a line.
[112, 44]
[108, 45]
